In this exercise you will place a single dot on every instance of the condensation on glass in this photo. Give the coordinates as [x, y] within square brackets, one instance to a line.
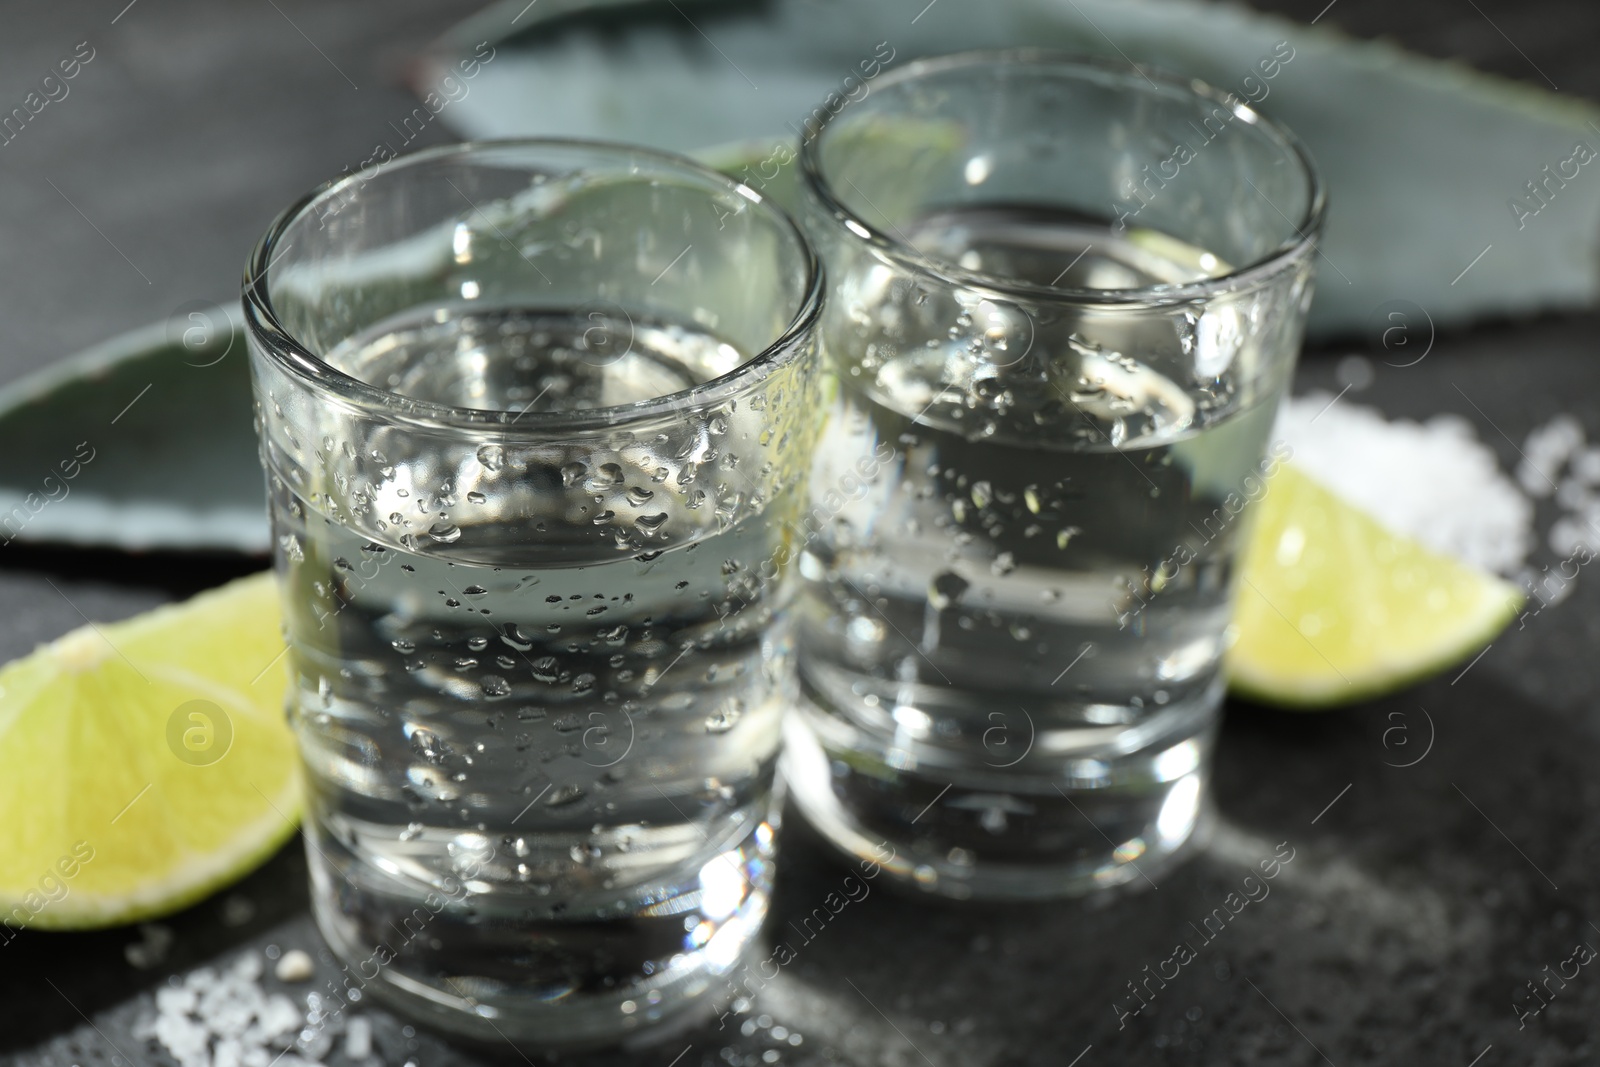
[536, 418]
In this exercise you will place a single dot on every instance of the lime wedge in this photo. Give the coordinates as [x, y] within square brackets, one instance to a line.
[144, 764]
[1334, 608]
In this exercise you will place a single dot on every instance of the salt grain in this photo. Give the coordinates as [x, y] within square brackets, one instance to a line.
[151, 950]
[178, 1001]
[229, 1053]
[1586, 466]
[316, 1042]
[1546, 449]
[295, 966]
[1557, 454]
[358, 1039]
[278, 1017]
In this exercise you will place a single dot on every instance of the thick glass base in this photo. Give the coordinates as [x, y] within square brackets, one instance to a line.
[1055, 825]
[494, 966]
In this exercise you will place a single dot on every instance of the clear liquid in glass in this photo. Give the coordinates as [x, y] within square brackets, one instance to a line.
[540, 746]
[1015, 615]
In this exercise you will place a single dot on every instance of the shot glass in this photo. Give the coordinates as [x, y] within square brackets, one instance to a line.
[1066, 299]
[535, 418]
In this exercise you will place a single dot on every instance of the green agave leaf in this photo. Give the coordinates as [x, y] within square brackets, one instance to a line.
[1427, 162]
[143, 442]
[1428, 165]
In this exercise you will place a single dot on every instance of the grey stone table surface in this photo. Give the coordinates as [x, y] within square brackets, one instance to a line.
[1420, 898]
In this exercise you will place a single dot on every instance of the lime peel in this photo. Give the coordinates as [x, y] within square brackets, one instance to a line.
[145, 764]
[1334, 608]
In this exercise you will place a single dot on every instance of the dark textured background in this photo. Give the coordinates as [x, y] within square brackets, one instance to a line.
[1397, 935]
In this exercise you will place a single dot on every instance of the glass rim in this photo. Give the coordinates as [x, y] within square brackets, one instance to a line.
[1305, 232]
[297, 359]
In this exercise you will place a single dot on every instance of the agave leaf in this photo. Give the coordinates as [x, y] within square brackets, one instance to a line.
[143, 442]
[1426, 161]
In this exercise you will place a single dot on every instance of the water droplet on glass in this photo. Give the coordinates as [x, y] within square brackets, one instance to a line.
[493, 457]
[721, 722]
[945, 589]
[445, 532]
[429, 746]
[562, 795]
[494, 686]
[571, 473]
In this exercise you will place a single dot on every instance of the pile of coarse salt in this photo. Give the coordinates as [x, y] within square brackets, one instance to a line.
[1433, 481]
[225, 1019]
[1557, 461]
[222, 1017]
